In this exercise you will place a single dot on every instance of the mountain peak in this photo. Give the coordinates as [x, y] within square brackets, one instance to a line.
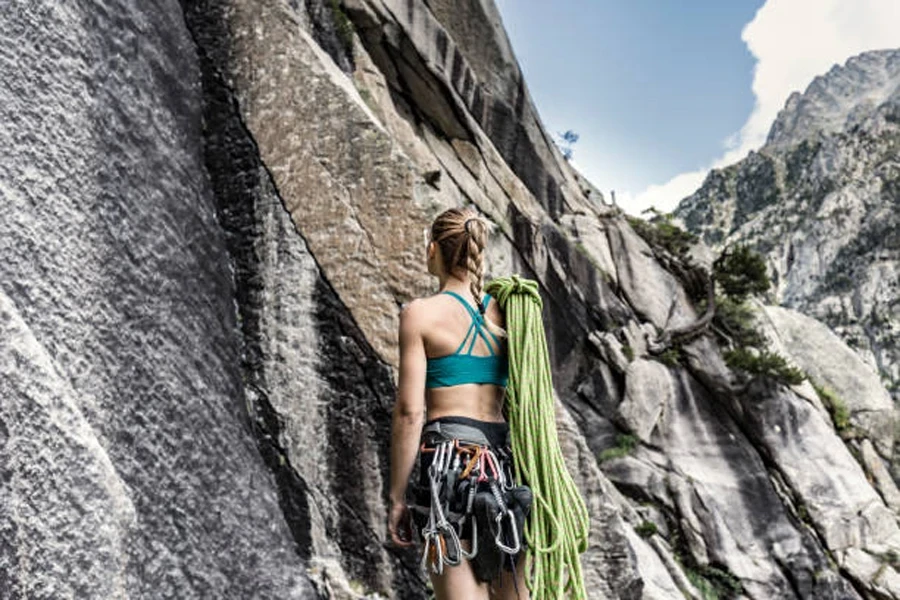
[839, 99]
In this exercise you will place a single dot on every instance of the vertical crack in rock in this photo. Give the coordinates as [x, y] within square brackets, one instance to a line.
[359, 386]
[358, 426]
[332, 30]
[233, 164]
[8, 528]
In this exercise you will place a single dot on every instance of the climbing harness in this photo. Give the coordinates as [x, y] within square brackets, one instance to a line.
[557, 529]
[470, 488]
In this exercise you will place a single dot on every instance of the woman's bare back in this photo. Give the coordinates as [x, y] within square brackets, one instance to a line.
[446, 326]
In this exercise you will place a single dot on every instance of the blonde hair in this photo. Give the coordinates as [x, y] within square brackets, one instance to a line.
[461, 234]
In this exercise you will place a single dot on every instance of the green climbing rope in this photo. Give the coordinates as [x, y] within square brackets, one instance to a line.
[557, 529]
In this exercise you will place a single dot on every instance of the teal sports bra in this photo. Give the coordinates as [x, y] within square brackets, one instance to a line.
[459, 368]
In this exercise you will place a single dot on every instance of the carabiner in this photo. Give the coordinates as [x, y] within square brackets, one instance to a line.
[514, 549]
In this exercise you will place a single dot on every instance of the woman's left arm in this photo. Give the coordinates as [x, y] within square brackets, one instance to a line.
[409, 410]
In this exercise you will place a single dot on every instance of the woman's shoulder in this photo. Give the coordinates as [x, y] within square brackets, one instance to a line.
[417, 309]
[413, 308]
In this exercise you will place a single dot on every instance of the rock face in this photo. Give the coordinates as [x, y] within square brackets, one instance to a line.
[128, 468]
[820, 200]
[831, 365]
[213, 214]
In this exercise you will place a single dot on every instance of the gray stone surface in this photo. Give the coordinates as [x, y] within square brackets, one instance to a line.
[648, 389]
[838, 100]
[846, 512]
[131, 468]
[318, 392]
[835, 367]
[730, 512]
[454, 61]
[610, 569]
[654, 293]
[48, 519]
[876, 468]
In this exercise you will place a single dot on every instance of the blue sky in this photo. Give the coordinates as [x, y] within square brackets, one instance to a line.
[660, 91]
[653, 87]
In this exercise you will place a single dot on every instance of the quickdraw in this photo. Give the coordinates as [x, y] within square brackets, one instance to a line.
[442, 545]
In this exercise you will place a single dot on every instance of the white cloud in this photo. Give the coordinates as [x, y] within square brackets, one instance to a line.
[660, 196]
[792, 42]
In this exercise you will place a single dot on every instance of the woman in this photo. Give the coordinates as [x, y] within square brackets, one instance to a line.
[453, 369]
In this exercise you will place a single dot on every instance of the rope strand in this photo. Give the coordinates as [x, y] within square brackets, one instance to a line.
[557, 528]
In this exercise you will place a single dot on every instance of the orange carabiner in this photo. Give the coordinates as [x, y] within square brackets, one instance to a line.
[472, 462]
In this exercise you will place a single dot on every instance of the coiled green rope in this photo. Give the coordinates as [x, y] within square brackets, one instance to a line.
[557, 529]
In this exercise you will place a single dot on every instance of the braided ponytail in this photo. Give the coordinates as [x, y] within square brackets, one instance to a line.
[476, 230]
[477, 238]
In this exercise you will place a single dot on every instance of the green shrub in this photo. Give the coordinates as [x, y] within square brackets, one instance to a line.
[343, 26]
[625, 444]
[737, 320]
[646, 529]
[706, 589]
[714, 583]
[764, 363]
[628, 351]
[741, 272]
[671, 357]
[660, 232]
[840, 414]
[727, 584]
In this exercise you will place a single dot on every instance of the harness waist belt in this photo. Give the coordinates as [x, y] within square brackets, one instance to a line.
[454, 431]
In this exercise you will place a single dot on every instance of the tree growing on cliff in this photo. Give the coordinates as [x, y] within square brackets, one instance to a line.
[565, 142]
[736, 274]
[741, 272]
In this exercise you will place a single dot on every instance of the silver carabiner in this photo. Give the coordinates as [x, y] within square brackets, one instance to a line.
[474, 552]
[451, 558]
[514, 549]
[427, 537]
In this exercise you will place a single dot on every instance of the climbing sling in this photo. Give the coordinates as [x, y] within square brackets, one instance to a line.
[557, 528]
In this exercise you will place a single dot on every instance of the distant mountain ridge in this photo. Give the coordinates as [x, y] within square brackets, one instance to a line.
[820, 199]
[840, 100]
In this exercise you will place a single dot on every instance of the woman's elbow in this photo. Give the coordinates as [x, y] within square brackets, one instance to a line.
[408, 412]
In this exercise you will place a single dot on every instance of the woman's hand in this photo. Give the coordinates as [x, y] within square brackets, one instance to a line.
[400, 525]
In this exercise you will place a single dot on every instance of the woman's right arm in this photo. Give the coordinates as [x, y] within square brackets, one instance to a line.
[409, 409]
